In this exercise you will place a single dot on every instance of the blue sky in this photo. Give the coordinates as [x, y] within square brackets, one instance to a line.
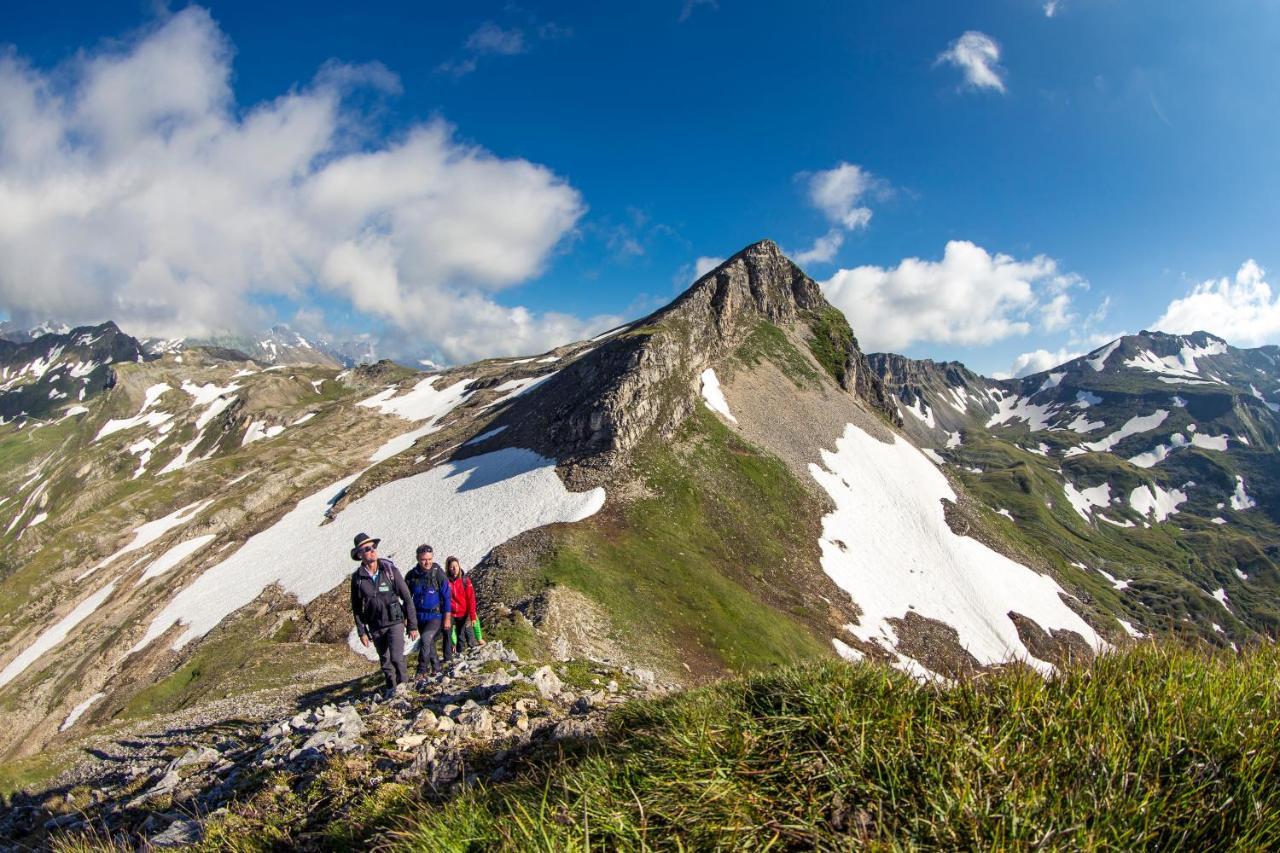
[1094, 170]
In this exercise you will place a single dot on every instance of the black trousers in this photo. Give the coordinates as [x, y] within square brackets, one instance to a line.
[466, 634]
[428, 660]
[389, 642]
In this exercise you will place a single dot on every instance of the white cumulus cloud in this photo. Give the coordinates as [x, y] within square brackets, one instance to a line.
[705, 264]
[1038, 360]
[968, 297]
[823, 249]
[134, 187]
[840, 194]
[977, 55]
[1242, 309]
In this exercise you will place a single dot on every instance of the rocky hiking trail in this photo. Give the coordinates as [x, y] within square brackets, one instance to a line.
[485, 717]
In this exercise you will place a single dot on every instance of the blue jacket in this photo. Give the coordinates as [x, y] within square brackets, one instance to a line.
[430, 590]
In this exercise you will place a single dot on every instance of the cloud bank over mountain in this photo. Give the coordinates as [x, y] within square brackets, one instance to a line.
[969, 297]
[134, 186]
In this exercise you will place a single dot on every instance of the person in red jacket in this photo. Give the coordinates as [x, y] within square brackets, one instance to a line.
[463, 598]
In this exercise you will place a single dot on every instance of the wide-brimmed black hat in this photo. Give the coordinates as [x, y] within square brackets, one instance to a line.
[362, 538]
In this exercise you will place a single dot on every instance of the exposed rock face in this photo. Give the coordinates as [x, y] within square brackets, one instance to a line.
[488, 717]
[594, 412]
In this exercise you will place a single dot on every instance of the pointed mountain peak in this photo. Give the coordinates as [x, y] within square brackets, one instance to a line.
[645, 378]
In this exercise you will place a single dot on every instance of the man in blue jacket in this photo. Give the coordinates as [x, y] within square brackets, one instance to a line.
[382, 605]
[430, 590]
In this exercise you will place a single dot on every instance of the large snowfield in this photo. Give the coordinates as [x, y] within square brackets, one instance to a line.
[463, 508]
[888, 545]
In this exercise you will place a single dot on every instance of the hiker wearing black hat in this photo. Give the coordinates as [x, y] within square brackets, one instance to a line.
[381, 604]
[430, 589]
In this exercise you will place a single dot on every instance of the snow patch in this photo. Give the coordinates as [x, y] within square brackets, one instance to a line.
[1098, 358]
[259, 430]
[1240, 499]
[1133, 426]
[174, 556]
[147, 533]
[713, 395]
[78, 711]
[473, 504]
[1154, 500]
[1084, 500]
[1130, 629]
[485, 436]
[420, 403]
[932, 454]
[922, 412]
[54, 634]
[1019, 409]
[888, 499]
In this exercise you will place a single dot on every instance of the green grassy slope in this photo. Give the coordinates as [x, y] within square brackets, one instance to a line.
[1151, 747]
[710, 566]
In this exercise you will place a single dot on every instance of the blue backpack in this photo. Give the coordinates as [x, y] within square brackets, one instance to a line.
[429, 597]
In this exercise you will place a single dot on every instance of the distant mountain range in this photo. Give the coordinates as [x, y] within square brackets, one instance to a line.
[277, 345]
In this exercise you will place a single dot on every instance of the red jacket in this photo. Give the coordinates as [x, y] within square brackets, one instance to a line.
[463, 596]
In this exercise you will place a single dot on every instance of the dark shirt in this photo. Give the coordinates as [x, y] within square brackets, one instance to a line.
[381, 600]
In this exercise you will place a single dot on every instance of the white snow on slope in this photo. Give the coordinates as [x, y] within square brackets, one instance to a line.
[1208, 442]
[151, 419]
[1160, 452]
[302, 420]
[1130, 629]
[485, 436]
[1275, 407]
[471, 505]
[1084, 500]
[78, 711]
[1180, 366]
[1113, 580]
[1051, 381]
[259, 430]
[1241, 499]
[958, 399]
[714, 395]
[516, 387]
[610, 333]
[424, 402]
[54, 634]
[953, 440]
[1149, 500]
[1133, 426]
[922, 412]
[214, 399]
[147, 533]
[1083, 425]
[174, 556]
[1221, 595]
[903, 557]
[1098, 358]
[1020, 409]
[208, 393]
[421, 402]
[933, 454]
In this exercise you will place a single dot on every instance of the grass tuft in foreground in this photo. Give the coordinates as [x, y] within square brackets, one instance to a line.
[1149, 747]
